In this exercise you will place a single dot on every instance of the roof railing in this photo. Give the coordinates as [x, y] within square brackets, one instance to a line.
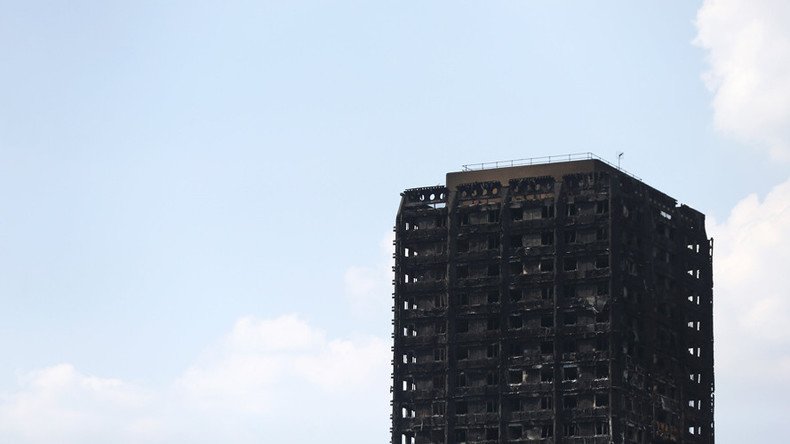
[543, 160]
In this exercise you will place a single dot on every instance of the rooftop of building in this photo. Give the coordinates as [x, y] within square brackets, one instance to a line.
[557, 165]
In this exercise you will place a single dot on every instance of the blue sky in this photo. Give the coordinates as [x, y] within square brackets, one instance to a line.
[169, 170]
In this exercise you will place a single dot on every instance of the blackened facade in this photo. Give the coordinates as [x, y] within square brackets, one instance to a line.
[556, 303]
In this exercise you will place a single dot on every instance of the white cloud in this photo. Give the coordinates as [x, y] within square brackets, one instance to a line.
[272, 380]
[752, 250]
[751, 316]
[748, 44]
[369, 288]
[59, 404]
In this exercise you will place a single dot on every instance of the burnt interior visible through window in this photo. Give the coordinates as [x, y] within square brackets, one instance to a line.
[515, 431]
[515, 294]
[493, 216]
[493, 270]
[492, 324]
[492, 296]
[493, 242]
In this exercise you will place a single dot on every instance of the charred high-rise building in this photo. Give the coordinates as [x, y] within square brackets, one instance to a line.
[560, 302]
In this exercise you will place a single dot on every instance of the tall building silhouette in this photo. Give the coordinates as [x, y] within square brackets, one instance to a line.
[560, 302]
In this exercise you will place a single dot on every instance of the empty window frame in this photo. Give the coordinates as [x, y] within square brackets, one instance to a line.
[460, 436]
[493, 216]
[546, 265]
[570, 373]
[515, 376]
[516, 241]
[492, 296]
[492, 323]
[515, 321]
[493, 243]
[516, 294]
[460, 380]
[493, 270]
[602, 428]
[602, 262]
[515, 431]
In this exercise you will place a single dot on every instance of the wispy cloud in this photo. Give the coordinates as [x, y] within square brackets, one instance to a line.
[267, 380]
[369, 288]
[751, 315]
[748, 47]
